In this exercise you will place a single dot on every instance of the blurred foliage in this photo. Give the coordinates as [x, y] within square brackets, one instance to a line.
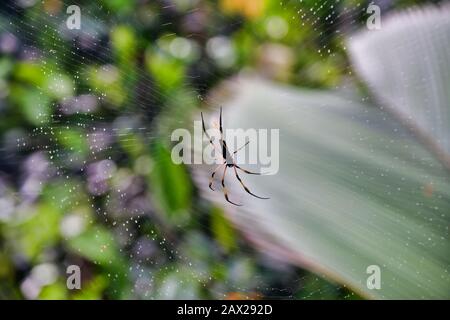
[85, 170]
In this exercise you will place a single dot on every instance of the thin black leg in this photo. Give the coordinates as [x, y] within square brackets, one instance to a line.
[246, 171]
[245, 188]
[241, 147]
[212, 176]
[225, 192]
[209, 138]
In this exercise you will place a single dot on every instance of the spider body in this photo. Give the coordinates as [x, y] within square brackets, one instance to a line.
[228, 162]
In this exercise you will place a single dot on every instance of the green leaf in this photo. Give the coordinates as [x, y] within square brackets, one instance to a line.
[66, 195]
[106, 81]
[39, 231]
[92, 290]
[131, 143]
[411, 78]
[98, 245]
[168, 71]
[6, 65]
[178, 285]
[72, 139]
[54, 291]
[33, 104]
[119, 6]
[171, 185]
[59, 86]
[30, 72]
[56, 85]
[223, 230]
[123, 41]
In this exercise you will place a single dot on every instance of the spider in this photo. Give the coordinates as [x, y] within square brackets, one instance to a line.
[228, 162]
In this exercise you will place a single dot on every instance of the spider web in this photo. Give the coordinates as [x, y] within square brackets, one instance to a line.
[80, 139]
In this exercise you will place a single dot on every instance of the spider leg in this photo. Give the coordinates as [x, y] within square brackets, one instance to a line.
[222, 140]
[209, 138]
[212, 176]
[220, 123]
[246, 171]
[225, 151]
[225, 192]
[241, 147]
[243, 185]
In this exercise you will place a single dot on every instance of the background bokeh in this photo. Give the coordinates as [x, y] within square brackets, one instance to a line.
[86, 176]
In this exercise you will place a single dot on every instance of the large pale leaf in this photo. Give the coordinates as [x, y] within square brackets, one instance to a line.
[406, 66]
[354, 189]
